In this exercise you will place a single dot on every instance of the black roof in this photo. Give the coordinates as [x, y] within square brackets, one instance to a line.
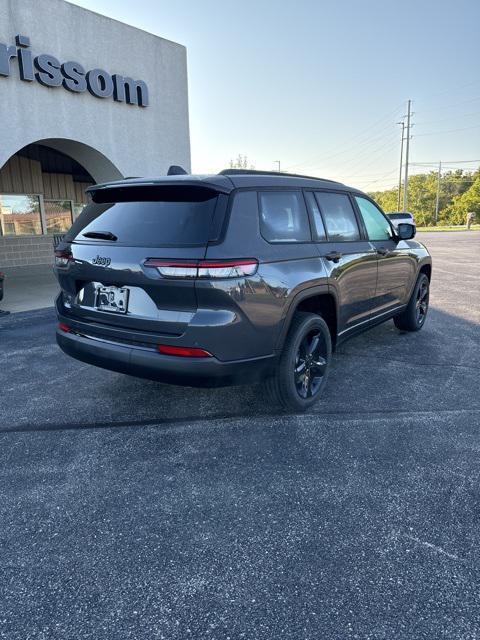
[230, 179]
[255, 172]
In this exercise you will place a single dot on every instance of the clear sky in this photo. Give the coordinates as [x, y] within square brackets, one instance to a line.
[320, 85]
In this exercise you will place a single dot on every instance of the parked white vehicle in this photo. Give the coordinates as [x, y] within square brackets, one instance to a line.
[397, 217]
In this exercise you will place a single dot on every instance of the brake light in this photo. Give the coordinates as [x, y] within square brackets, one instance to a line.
[64, 327]
[62, 258]
[185, 352]
[204, 268]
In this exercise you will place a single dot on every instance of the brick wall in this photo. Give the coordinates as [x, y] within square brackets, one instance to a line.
[26, 250]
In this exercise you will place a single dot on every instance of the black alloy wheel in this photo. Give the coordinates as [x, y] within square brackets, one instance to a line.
[310, 364]
[302, 369]
[414, 315]
[422, 301]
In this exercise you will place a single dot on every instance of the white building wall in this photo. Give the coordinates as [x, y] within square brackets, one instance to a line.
[136, 141]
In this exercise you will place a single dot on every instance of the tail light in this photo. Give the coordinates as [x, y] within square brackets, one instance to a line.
[204, 268]
[62, 258]
[64, 327]
[185, 352]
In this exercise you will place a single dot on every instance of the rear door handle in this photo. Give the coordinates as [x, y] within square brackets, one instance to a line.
[333, 256]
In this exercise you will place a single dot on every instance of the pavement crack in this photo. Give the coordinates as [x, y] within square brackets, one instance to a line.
[433, 547]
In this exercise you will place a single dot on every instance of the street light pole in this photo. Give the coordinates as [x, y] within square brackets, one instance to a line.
[278, 162]
[401, 163]
[407, 153]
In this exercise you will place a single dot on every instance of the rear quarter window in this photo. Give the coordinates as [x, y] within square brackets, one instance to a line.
[283, 216]
[158, 216]
[339, 216]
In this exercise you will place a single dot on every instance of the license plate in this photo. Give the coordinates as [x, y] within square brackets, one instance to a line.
[113, 299]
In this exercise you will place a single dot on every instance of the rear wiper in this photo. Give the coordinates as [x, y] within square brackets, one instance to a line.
[101, 235]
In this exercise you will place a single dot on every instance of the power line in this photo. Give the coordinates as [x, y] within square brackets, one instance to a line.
[456, 115]
[451, 105]
[386, 148]
[355, 137]
[434, 133]
[365, 143]
[447, 162]
[449, 90]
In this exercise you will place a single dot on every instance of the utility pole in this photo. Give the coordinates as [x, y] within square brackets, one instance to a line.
[407, 152]
[401, 164]
[438, 190]
[278, 162]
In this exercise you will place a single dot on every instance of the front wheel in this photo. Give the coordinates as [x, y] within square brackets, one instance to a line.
[302, 370]
[414, 316]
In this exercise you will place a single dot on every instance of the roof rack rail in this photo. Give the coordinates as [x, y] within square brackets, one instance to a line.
[246, 172]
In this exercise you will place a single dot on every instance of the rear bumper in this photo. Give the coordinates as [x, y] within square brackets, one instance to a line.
[148, 363]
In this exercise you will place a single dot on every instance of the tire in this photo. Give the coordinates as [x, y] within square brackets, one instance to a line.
[308, 345]
[414, 316]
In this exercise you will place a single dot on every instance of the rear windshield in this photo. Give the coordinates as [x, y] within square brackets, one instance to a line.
[148, 216]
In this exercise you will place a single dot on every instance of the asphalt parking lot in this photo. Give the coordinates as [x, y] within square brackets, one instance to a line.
[129, 509]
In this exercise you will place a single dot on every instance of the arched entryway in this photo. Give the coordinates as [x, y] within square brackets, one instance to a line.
[43, 185]
[94, 162]
[42, 190]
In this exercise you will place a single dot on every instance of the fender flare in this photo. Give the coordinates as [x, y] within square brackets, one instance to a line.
[426, 260]
[310, 292]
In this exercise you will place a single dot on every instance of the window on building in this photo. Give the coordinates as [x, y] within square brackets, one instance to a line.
[339, 216]
[58, 215]
[318, 227]
[378, 227]
[78, 207]
[283, 217]
[20, 215]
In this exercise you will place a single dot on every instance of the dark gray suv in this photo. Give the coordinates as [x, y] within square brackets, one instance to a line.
[233, 278]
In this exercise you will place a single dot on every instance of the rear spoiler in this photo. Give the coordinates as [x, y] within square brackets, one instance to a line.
[220, 184]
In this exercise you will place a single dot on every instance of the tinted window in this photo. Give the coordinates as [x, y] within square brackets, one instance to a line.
[155, 217]
[318, 227]
[378, 227]
[339, 216]
[400, 216]
[283, 217]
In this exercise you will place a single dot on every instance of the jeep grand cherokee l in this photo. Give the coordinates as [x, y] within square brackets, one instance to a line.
[236, 277]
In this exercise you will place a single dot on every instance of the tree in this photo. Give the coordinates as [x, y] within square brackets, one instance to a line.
[458, 193]
[469, 200]
[241, 162]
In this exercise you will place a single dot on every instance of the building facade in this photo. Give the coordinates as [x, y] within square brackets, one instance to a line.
[83, 99]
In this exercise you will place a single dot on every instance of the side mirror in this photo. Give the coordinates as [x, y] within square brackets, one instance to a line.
[406, 231]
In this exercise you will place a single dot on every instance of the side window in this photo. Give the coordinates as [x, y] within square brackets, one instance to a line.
[378, 227]
[339, 216]
[318, 228]
[283, 217]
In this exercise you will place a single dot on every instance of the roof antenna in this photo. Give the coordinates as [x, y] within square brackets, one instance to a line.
[176, 170]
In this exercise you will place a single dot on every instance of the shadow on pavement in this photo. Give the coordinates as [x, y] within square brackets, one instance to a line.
[381, 371]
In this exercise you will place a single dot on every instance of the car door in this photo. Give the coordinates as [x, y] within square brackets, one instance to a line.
[396, 262]
[349, 258]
